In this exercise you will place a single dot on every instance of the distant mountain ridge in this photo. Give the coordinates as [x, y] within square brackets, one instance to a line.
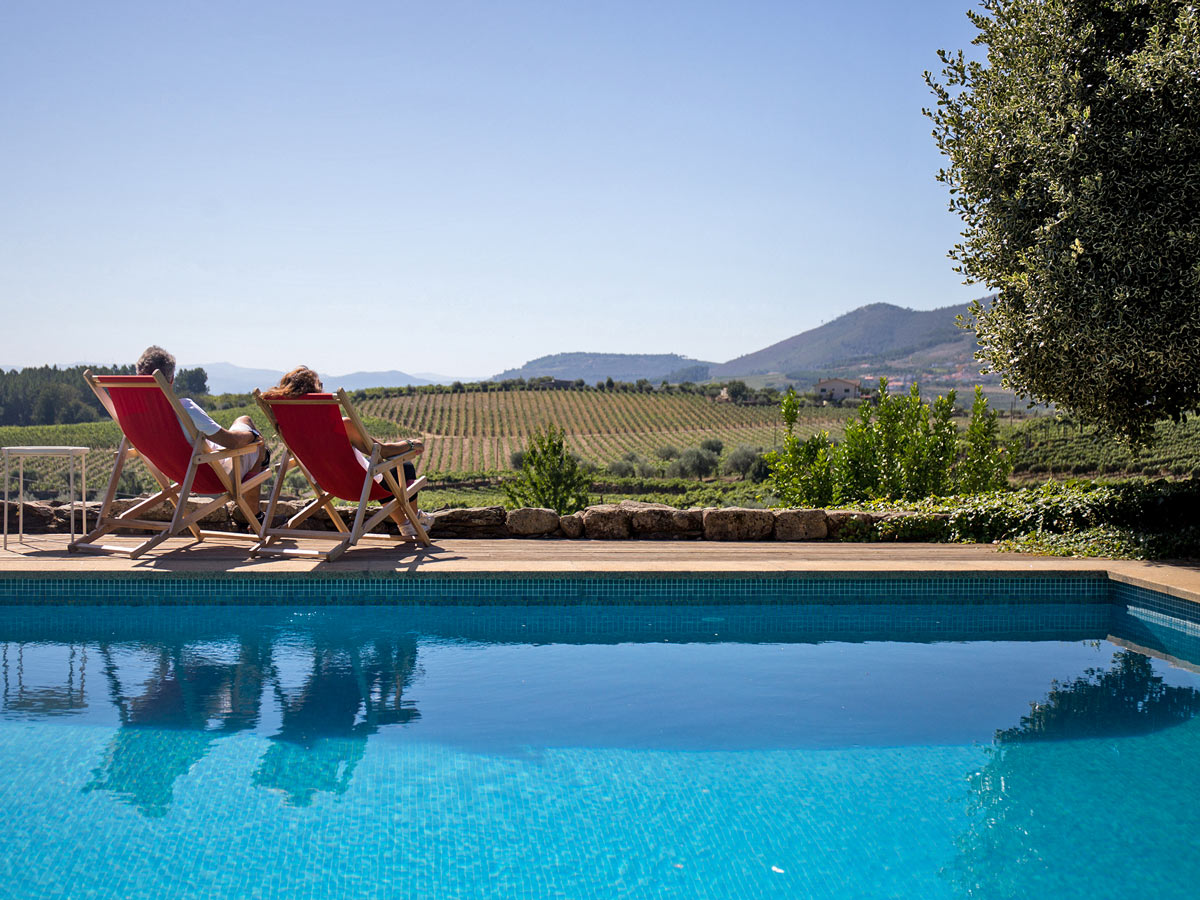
[878, 338]
[874, 332]
[878, 333]
[226, 378]
[593, 367]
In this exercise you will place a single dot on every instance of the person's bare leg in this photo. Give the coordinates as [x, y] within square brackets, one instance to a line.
[245, 425]
[386, 450]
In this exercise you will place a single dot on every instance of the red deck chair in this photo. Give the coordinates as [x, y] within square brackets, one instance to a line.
[156, 428]
[315, 440]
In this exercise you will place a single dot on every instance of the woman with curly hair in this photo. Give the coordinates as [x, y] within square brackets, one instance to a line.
[303, 380]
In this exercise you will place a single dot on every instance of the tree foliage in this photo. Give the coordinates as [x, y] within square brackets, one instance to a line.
[550, 476]
[695, 462]
[1074, 161]
[741, 460]
[191, 382]
[48, 395]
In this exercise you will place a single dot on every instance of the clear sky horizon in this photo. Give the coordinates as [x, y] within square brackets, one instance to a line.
[461, 187]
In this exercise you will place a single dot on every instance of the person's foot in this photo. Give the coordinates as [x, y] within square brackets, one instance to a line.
[424, 518]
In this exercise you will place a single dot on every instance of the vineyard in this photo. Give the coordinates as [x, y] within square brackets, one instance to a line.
[1057, 447]
[477, 432]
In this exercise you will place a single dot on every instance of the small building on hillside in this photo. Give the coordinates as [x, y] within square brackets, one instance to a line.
[837, 389]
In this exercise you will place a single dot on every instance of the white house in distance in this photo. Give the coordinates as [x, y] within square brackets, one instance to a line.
[837, 389]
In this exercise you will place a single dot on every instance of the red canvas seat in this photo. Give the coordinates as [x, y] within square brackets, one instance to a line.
[313, 432]
[157, 430]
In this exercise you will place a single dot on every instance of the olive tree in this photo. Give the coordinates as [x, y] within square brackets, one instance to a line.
[1073, 148]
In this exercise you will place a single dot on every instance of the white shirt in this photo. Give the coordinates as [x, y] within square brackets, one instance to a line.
[202, 420]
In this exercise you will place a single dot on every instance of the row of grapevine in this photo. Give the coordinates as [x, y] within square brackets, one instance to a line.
[478, 432]
[1058, 447]
[491, 415]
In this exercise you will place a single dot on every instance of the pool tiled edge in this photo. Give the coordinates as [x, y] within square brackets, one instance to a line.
[950, 588]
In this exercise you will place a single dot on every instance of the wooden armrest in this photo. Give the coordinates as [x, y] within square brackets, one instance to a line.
[228, 452]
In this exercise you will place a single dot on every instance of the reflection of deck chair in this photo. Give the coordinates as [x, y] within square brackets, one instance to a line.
[158, 430]
[314, 439]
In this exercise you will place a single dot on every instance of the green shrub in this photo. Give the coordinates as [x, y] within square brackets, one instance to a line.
[622, 468]
[741, 460]
[903, 448]
[1109, 542]
[1146, 507]
[550, 475]
[985, 461]
[694, 463]
[919, 527]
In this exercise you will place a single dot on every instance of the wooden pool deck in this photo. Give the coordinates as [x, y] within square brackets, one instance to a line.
[47, 556]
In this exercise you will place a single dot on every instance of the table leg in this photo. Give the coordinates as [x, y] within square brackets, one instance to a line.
[71, 492]
[5, 501]
[83, 493]
[21, 499]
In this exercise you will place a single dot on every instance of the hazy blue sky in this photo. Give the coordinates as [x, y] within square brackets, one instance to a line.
[459, 187]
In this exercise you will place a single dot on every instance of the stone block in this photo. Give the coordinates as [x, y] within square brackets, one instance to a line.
[40, 517]
[571, 525]
[476, 522]
[801, 525]
[607, 522]
[689, 522]
[531, 522]
[650, 519]
[738, 524]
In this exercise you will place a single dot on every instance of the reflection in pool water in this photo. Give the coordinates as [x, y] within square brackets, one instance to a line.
[725, 752]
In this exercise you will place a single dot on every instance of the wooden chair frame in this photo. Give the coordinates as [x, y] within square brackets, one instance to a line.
[176, 494]
[399, 509]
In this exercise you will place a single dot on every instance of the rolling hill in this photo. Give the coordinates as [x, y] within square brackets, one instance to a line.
[878, 332]
[892, 337]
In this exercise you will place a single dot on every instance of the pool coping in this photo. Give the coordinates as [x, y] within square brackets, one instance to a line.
[453, 560]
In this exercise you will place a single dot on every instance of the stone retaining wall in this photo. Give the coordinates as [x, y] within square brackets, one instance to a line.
[627, 520]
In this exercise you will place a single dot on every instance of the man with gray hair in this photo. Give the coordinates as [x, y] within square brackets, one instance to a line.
[241, 433]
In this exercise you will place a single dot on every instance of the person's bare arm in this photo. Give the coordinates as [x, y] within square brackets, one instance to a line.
[239, 434]
[365, 443]
[357, 438]
[231, 440]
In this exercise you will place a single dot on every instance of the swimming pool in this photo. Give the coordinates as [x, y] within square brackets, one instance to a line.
[1002, 747]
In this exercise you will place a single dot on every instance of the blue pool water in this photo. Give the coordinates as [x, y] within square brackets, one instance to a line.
[845, 750]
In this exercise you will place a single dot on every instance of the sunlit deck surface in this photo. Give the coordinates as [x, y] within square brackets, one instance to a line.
[47, 556]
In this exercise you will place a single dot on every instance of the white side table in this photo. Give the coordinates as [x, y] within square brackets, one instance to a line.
[20, 453]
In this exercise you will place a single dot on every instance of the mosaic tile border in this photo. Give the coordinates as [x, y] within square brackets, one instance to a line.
[1156, 606]
[827, 588]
